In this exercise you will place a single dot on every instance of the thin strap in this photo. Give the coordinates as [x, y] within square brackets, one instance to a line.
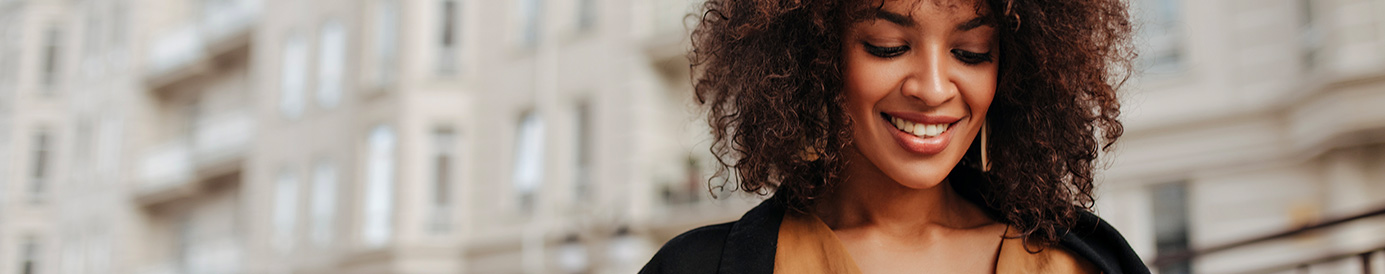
[995, 265]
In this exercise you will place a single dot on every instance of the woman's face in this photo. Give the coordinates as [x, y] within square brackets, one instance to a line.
[918, 79]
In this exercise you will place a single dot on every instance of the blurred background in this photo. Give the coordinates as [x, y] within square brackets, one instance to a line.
[560, 136]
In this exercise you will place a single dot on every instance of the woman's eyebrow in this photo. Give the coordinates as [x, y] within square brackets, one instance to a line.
[976, 22]
[897, 19]
[906, 21]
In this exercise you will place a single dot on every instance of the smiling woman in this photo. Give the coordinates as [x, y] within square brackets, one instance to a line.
[899, 136]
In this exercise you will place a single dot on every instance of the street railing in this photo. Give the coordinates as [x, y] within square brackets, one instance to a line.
[1302, 266]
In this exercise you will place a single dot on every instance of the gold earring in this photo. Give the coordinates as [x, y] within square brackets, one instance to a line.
[985, 133]
[811, 153]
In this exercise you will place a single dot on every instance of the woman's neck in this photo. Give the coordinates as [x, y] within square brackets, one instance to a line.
[868, 199]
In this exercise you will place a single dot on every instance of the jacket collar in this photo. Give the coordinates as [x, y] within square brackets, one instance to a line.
[752, 240]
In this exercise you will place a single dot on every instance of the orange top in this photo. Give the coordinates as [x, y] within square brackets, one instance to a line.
[808, 246]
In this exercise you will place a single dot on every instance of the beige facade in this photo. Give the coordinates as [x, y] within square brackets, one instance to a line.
[558, 136]
[1265, 120]
[246, 136]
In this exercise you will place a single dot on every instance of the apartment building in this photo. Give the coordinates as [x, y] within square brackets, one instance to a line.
[1249, 118]
[559, 136]
[34, 66]
[382, 136]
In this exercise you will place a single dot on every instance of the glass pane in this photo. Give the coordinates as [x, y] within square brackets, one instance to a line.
[528, 169]
[285, 210]
[1171, 223]
[293, 76]
[324, 202]
[443, 162]
[379, 190]
[386, 41]
[330, 64]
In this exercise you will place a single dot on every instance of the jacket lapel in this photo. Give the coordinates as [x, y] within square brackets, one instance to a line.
[753, 240]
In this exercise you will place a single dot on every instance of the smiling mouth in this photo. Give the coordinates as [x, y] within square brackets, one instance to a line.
[923, 130]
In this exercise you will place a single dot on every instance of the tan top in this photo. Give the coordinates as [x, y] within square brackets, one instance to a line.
[808, 246]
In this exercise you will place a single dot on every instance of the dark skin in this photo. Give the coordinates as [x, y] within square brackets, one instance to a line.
[935, 62]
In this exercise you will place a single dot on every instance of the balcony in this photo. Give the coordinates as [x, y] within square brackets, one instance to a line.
[668, 25]
[215, 147]
[1304, 249]
[183, 51]
[222, 256]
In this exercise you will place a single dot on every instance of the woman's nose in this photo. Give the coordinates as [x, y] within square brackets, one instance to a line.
[928, 81]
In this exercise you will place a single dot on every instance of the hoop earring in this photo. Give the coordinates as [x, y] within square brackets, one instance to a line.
[985, 134]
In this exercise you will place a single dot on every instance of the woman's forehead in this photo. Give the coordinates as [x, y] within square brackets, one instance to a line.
[910, 7]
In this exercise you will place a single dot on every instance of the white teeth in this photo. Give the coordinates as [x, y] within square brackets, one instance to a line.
[922, 130]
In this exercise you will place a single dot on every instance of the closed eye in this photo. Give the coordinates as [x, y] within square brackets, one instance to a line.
[972, 58]
[885, 52]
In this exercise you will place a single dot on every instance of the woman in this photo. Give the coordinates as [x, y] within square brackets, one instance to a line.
[910, 136]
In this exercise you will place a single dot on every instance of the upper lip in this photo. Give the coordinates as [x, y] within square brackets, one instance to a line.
[923, 118]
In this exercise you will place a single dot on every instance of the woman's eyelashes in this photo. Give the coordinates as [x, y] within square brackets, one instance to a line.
[885, 52]
[970, 58]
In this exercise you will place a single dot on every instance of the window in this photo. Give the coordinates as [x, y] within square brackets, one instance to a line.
[1311, 34]
[117, 24]
[324, 205]
[52, 48]
[193, 114]
[529, 21]
[184, 243]
[379, 190]
[92, 35]
[586, 14]
[41, 169]
[331, 63]
[71, 249]
[9, 52]
[582, 182]
[1171, 223]
[448, 41]
[83, 150]
[386, 42]
[528, 167]
[444, 161]
[29, 256]
[293, 79]
[1162, 35]
[285, 210]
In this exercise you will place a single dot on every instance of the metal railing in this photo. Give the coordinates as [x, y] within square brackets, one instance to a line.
[1302, 266]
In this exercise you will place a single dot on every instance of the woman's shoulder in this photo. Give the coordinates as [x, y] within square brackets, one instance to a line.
[751, 241]
[1095, 240]
[694, 251]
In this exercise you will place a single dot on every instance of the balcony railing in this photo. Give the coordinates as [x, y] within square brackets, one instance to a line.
[216, 141]
[165, 166]
[213, 257]
[219, 23]
[221, 138]
[1304, 265]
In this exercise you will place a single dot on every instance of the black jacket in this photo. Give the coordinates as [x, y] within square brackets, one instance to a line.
[748, 245]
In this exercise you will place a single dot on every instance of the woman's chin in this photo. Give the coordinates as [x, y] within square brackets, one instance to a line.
[921, 181]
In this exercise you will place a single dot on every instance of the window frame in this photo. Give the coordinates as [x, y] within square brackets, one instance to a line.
[333, 50]
[527, 172]
[287, 185]
[377, 223]
[293, 75]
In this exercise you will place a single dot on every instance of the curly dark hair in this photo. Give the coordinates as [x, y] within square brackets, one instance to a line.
[768, 73]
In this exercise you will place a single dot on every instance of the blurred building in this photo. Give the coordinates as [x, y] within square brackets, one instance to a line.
[381, 136]
[1252, 117]
[558, 136]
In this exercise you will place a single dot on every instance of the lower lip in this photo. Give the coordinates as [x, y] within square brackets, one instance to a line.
[919, 144]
